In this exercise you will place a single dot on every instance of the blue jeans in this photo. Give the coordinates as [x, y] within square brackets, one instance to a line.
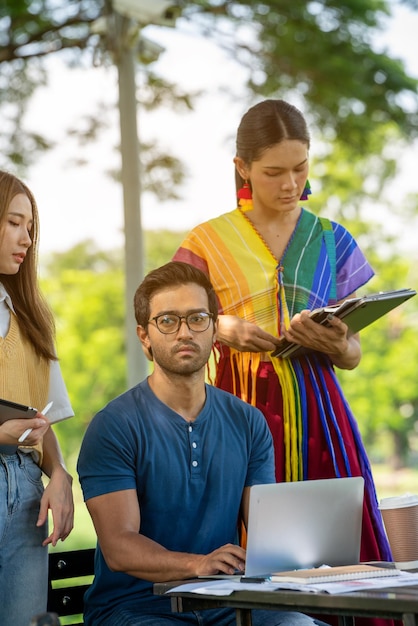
[210, 617]
[23, 559]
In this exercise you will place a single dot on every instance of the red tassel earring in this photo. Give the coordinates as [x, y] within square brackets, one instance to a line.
[244, 195]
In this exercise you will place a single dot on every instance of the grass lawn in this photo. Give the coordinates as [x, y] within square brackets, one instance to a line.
[391, 482]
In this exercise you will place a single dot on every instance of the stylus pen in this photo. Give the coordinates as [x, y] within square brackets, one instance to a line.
[29, 430]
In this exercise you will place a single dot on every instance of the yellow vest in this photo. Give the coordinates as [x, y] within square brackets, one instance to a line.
[24, 375]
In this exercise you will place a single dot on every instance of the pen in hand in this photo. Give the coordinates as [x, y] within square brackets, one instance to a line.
[29, 430]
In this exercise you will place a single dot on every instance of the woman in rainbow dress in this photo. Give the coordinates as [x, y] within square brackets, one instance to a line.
[271, 261]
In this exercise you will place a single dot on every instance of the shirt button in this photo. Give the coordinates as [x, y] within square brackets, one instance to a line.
[194, 444]
[190, 429]
[194, 463]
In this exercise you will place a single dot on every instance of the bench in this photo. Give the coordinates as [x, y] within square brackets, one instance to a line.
[76, 569]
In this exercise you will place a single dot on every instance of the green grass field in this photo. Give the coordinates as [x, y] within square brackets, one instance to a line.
[388, 483]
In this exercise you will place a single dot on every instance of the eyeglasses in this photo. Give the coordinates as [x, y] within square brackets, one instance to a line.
[169, 323]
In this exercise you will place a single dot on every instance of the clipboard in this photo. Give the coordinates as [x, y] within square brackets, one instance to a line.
[13, 410]
[357, 313]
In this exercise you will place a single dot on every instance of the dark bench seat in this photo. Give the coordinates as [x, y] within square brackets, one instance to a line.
[70, 575]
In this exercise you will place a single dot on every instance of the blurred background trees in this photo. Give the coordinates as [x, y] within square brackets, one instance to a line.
[321, 53]
[362, 107]
[85, 288]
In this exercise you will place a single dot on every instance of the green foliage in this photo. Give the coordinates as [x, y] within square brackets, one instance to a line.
[320, 52]
[351, 188]
[324, 50]
[89, 310]
[383, 390]
[360, 102]
[85, 288]
[160, 246]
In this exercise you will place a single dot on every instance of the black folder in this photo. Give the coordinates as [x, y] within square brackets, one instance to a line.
[357, 313]
[13, 410]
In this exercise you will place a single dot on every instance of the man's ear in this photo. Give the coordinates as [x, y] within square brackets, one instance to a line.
[145, 342]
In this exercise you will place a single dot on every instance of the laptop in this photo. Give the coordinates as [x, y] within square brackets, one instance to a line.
[304, 524]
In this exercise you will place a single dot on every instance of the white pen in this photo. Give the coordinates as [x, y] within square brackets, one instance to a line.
[29, 430]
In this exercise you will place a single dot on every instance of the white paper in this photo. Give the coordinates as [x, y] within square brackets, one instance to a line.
[226, 587]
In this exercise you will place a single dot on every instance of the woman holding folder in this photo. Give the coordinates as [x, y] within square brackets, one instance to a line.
[271, 261]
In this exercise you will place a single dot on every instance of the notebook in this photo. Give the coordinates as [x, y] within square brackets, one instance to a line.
[334, 574]
[304, 524]
[357, 313]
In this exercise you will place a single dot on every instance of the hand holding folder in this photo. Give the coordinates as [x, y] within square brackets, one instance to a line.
[357, 313]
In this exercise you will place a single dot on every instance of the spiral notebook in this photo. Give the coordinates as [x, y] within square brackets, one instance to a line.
[333, 574]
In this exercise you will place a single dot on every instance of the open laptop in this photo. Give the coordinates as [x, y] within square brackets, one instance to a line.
[304, 524]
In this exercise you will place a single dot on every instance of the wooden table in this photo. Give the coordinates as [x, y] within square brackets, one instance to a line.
[390, 603]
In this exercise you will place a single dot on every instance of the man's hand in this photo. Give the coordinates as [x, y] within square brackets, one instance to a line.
[225, 560]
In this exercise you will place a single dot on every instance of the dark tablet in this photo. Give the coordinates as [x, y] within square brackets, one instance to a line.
[357, 313]
[12, 410]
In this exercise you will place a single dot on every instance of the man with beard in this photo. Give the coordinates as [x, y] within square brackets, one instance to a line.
[166, 467]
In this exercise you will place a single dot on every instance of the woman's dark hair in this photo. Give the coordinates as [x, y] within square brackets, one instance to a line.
[265, 125]
[169, 275]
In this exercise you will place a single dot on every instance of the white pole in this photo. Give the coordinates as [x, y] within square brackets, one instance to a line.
[137, 364]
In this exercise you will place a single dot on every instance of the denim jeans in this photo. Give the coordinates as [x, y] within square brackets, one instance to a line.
[210, 617]
[23, 559]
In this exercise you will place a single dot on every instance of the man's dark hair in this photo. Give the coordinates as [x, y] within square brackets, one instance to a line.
[170, 275]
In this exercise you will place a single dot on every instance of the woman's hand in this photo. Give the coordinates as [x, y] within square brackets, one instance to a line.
[331, 339]
[244, 336]
[58, 497]
[11, 430]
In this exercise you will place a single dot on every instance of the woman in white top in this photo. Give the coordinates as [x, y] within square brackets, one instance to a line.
[29, 374]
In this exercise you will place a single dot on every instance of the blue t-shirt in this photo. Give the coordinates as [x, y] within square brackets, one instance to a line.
[189, 477]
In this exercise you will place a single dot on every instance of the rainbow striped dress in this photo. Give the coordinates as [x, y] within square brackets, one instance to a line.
[314, 431]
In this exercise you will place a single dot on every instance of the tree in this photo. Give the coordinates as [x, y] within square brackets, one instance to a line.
[320, 51]
[360, 103]
[31, 31]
